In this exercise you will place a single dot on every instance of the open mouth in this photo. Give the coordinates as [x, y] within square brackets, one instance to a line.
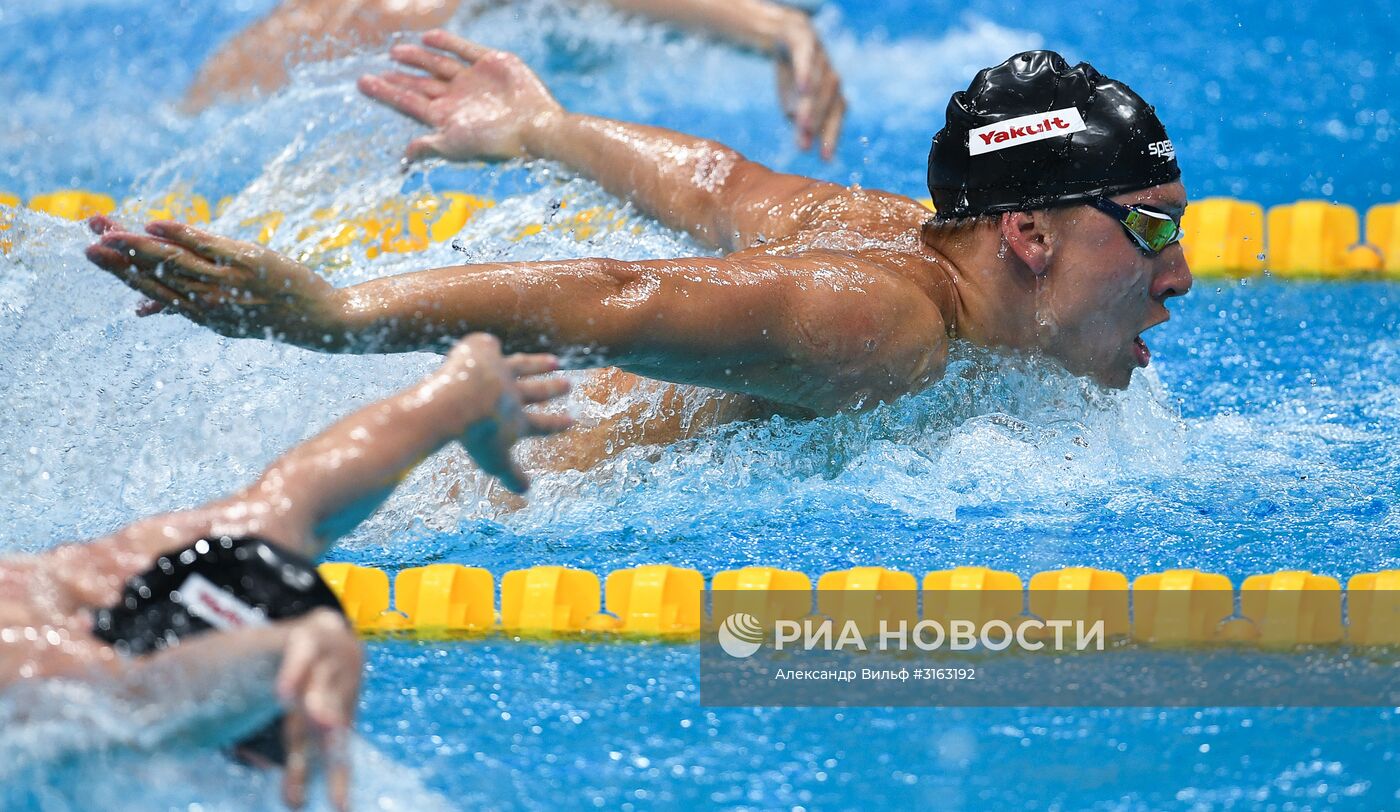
[1141, 352]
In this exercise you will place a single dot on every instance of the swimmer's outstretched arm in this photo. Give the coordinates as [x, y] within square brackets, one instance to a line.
[487, 104]
[818, 331]
[324, 487]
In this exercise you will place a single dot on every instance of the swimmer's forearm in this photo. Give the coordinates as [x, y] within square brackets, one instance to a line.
[756, 23]
[334, 481]
[551, 306]
[688, 183]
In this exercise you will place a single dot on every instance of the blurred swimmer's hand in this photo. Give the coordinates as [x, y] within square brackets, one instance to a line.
[809, 88]
[497, 389]
[480, 102]
[319, 685]
[808, 85]
[235, 288]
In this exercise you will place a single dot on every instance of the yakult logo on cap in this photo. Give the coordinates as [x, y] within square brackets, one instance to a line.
[215, 606]
[1024, 130]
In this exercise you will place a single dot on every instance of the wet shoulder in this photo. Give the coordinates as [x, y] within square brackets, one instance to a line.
[876, 215]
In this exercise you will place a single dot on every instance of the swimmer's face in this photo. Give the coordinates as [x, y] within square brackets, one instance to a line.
[1100, 293]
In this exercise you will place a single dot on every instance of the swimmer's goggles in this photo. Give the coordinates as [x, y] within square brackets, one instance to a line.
[1153, 231]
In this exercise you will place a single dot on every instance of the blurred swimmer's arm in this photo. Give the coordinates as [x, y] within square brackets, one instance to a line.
[305, 30]
[808, 86]
[325, 487]
[209, 680]
[820, 331]
[487, 104]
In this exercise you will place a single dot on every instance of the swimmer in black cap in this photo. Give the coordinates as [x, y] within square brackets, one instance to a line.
[1059, 208]
[182, 606]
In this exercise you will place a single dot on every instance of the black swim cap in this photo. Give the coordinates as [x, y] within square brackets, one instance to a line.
[1033, 132]
[215, 584]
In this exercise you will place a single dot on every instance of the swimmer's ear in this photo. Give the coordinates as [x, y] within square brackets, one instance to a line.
[1024, 234]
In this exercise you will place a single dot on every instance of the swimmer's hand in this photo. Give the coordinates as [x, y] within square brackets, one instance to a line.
[496, 391]
[319, 685]
[237, 289]
[480, 102]
[808, 85]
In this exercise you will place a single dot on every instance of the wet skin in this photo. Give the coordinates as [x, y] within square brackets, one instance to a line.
[305, 500]
[307, 30]
[828, 298]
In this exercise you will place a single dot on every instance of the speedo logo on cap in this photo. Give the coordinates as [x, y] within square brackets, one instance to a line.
[1162, 149]
[1014, 132]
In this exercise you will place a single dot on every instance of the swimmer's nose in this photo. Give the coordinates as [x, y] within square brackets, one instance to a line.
[1173, 275]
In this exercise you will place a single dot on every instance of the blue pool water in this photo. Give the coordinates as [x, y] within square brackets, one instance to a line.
[1264, 436]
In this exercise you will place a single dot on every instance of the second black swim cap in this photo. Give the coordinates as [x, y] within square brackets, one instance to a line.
[1033, 132]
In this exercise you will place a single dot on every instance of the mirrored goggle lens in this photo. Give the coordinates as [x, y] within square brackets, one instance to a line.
[1156, 230]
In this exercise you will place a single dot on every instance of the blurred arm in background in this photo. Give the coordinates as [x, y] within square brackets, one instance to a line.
[308, 30]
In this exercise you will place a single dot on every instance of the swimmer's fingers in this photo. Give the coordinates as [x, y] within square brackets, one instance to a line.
[159, 295]
[787, 90]
[489, 444]
[803, 50]
[101, 224]
[295, 741]
[469, 51]
[212, 247]
[522, 364]
[830, 122]
[409, 102]
[335, 752]
[430, 62]
[514, 477]
[331, 691]
[429, 146]
[149, 307]
[426, 86]
[802, 53]
[539, 390]
[825, 95]
[162, 259]
[295, 672]
[542, 424]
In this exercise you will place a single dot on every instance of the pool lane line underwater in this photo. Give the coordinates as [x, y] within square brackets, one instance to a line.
[1290, 607]
[1224, 237]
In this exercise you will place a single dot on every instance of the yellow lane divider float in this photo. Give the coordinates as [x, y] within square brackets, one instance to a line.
[397, 226]
[1290, 607]
[1224, 237]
